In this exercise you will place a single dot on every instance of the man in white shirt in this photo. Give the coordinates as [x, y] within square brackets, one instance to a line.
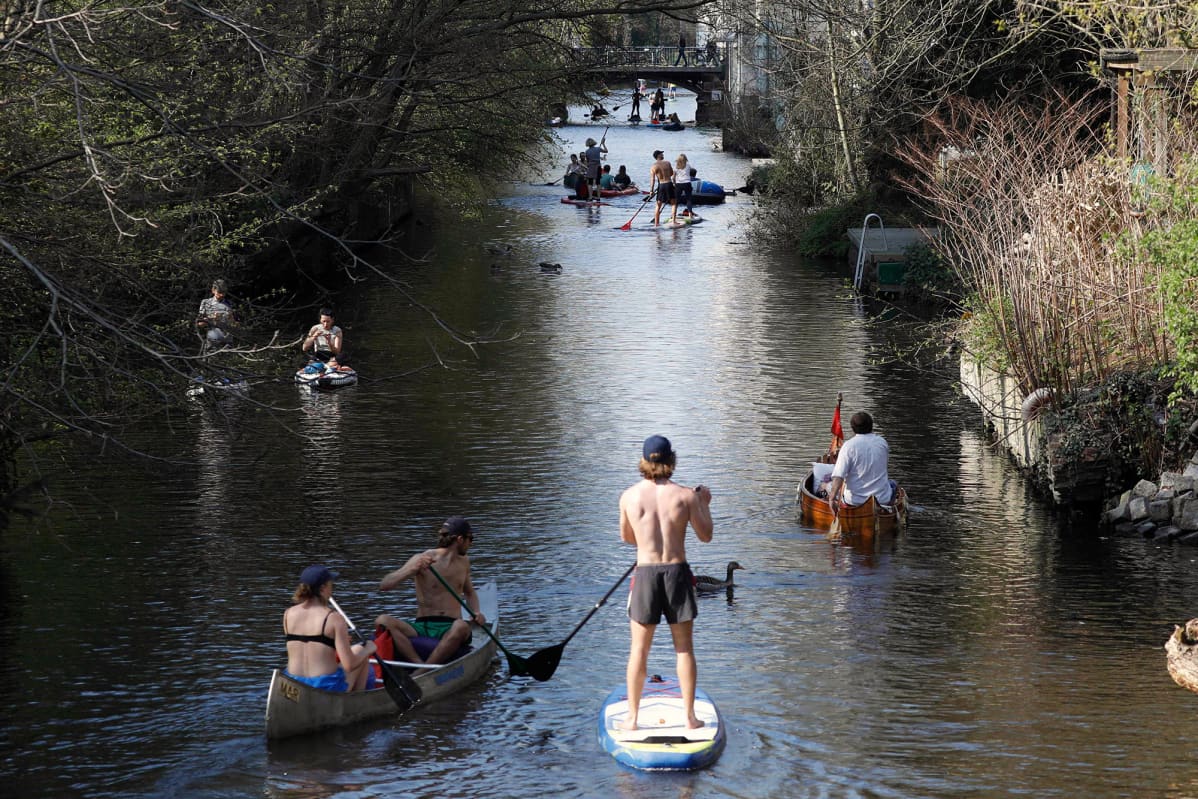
[861, 466]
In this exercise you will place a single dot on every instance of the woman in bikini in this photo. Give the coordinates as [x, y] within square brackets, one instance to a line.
[318, 649]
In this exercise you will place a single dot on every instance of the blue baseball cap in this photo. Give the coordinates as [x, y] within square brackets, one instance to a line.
[316, 576]
[456, 525]
[657, 449]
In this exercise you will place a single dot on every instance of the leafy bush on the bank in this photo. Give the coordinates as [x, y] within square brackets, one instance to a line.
[1139, 418]
[1173, 248]
[930, 277]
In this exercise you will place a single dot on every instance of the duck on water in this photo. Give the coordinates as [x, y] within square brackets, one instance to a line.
[705, 583]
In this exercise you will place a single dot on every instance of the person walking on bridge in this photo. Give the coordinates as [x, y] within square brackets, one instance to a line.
[681, 50]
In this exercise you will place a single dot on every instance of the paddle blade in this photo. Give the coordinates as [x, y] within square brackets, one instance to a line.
[402, 689]
[627, 225]
[542, 664]
[516, 665]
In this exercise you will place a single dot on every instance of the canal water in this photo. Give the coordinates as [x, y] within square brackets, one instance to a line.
[983, 653]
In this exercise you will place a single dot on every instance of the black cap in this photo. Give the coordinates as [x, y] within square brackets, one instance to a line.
[456, 525]
[657, 449]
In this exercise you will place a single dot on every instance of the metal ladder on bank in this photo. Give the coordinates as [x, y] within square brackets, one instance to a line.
[860, 271]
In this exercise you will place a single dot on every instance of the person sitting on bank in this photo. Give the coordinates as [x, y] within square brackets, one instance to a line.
[319, 652]
[438, 613]
[324, 339]
[861, 466]
[215, 317]
[607, 180]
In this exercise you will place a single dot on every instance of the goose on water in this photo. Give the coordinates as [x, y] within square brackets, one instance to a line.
[705, 583]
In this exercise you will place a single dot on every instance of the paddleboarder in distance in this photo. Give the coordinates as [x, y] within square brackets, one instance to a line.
[654, 513]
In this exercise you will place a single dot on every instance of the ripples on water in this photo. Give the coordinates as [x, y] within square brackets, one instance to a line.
[982, 654]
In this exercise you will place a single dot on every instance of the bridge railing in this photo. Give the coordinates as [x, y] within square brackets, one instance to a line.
[630, 57]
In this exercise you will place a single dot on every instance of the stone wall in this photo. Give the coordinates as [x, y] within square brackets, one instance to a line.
[1167, 510]
[1077, 480]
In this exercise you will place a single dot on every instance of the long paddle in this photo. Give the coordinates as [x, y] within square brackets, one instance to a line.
[628, 225]
[543, 663]
[517, 666]
[402, 689]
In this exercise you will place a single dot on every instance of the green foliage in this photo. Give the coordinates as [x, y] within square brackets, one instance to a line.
[1172, 247]
[984, 331]
[930, 276]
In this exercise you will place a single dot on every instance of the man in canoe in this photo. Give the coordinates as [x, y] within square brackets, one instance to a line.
[438, 612]
[654, 514]
[661, 175]
[861, 466]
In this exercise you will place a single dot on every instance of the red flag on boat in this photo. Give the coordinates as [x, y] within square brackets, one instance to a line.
[837, 433]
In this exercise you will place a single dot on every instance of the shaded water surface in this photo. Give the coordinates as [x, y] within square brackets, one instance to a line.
[983, 654]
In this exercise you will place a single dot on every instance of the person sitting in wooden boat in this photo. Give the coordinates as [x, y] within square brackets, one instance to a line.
[438, 614]
[861, 466]
[324, 339]
[319, 652]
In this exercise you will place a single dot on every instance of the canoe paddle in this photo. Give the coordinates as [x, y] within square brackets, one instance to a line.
[517, 666]
[543, 663]
[628, 225]
[402, 689]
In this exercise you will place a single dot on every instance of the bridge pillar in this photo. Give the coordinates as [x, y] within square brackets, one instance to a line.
[709, 101]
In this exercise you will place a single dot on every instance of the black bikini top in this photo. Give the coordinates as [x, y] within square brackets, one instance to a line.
[315, 639]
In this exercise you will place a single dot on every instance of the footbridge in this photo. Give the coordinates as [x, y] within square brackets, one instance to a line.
[699, 69]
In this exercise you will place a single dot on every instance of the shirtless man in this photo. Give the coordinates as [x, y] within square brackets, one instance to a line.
[438, 614]
[661, 174]
[653, 515]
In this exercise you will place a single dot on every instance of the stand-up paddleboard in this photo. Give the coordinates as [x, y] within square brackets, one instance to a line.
[576, 201]
[662, 741]
[680, 222]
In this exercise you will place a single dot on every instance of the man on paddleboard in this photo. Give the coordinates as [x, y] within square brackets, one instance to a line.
[654, 514]
[661, 175]
[438, 612]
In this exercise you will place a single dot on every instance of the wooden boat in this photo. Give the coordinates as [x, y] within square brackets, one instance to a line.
[294, 708]
[1181, 655]
[865, 520]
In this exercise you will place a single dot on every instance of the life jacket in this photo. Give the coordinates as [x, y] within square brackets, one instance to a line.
[385, 645]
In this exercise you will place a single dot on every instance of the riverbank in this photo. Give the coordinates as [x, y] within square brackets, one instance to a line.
[1086, 452]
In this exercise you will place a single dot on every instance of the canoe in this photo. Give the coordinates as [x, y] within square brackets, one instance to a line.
[1181, 655]
[294, 708]
[662, 741]
[865, 520]
[619, 192]
[326, 379]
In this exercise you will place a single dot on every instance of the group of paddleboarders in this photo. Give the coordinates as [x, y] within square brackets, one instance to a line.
[319, 652]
